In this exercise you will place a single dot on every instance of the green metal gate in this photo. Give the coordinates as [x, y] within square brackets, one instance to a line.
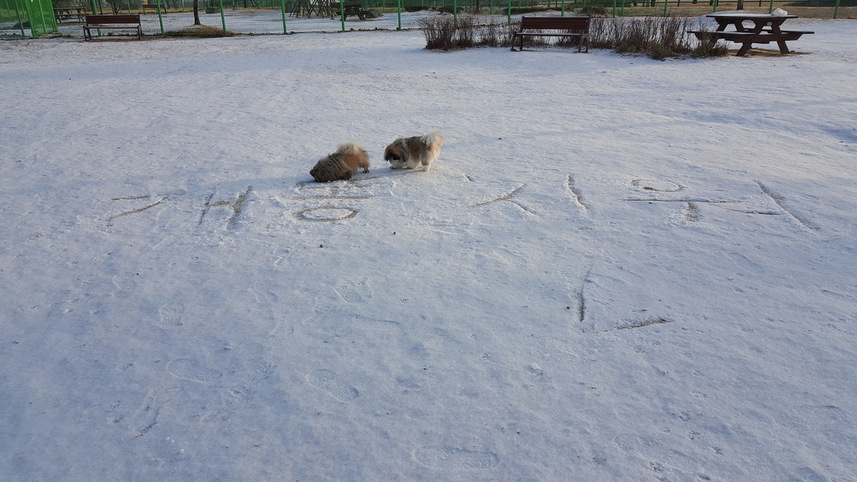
[35, 16]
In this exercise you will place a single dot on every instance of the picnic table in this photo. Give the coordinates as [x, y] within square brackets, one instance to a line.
[328, 8]
[750, 28]
[69, 13]
[348, 9]
[308, 8]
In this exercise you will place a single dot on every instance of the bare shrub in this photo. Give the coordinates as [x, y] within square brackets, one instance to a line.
[465, 32]
[656, 37]
[707, 46]
[439, 32]
[443, 33]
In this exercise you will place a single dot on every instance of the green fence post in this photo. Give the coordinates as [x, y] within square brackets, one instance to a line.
[836, 9]
[771, 7]
[455, 12]
[160, 18]
[342, 15]
[665, 7]
[20, 22]
[614, 8]
[283, 11]
[399, 14]
[509, 12]
[222, 17]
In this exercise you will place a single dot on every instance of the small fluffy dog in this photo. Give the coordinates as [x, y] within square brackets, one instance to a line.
[342, 164]
[409, 152]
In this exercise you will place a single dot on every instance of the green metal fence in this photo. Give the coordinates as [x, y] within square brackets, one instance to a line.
[37, 17]
[29, 17]
[492, 5]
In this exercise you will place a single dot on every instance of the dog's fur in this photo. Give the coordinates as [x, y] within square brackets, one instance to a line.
[409, 152]
[342, 164]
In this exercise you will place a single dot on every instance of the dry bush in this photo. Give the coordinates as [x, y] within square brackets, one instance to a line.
[443, 33]
[439, 32]
[199, 31]
[656, 37]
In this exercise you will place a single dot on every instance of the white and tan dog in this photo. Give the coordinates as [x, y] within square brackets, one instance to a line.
[342, 164]
[409, 152]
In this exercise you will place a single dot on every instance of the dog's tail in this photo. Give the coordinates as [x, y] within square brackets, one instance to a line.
[432, 138]
[350, 148]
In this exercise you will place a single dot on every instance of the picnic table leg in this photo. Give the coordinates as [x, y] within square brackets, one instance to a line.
[775, 30]
[745, 47]
[748, 44]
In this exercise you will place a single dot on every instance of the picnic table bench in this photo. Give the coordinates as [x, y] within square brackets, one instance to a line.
[123, 22]
[350, 9]
[572, 27]
[74, 14]
[154, 8]
[765, 29]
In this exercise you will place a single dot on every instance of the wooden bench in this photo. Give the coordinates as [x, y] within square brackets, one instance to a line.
[154, 8]
[572, 27]
[123, 22]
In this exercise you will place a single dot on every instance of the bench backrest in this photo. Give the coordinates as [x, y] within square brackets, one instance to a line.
[110, 19]
[580, 24]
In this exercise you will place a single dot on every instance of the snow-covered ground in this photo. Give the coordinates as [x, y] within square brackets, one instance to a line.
[618, 269]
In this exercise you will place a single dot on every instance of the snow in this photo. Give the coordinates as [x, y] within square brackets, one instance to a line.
[618, 268]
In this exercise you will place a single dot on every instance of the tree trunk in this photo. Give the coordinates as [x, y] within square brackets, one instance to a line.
[196, 13]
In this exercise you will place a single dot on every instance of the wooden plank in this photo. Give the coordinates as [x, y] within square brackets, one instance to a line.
[108, 19]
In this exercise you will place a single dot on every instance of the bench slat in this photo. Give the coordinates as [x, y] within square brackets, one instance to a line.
[571, 23]
[105, 19]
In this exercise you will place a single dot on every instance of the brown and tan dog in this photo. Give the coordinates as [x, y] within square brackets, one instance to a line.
[342, 164]
[409, 152]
